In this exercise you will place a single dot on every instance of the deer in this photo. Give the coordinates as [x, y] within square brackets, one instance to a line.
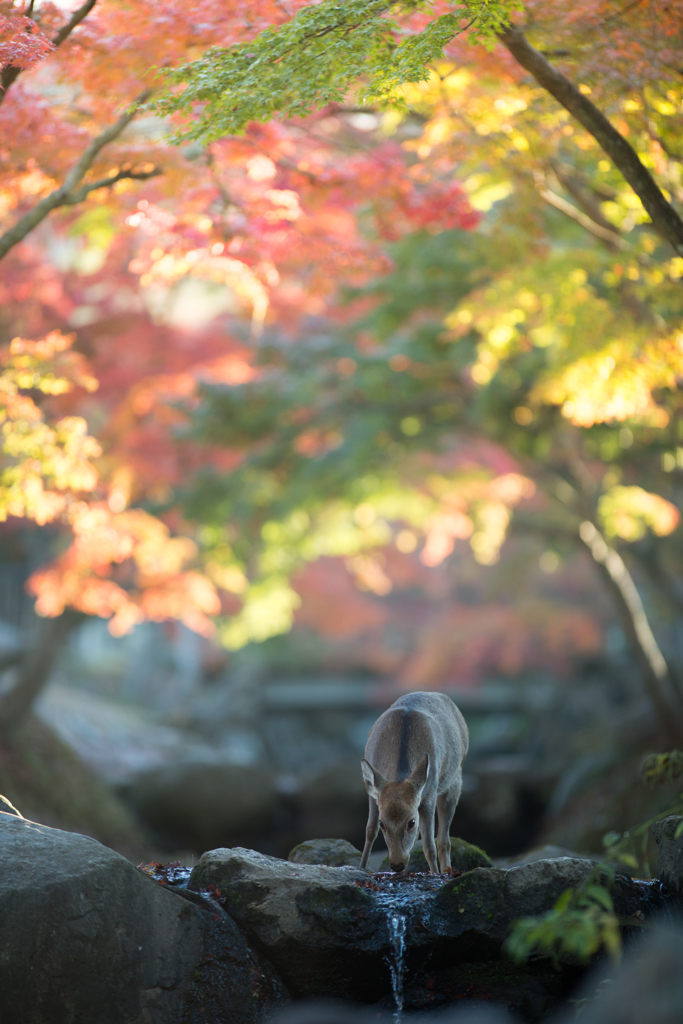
[413, 771]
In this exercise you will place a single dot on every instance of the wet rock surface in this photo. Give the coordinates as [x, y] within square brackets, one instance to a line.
[322, 931]
[528, 993]
[335, 853]
[231, 983]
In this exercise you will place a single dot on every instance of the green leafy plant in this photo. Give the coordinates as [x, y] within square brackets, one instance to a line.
[583, 920]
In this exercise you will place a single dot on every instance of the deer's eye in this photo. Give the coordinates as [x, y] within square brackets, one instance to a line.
[381, 825]
[411, 823]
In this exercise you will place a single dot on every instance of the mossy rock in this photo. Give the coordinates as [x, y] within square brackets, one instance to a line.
[464, 857]
[335, 853]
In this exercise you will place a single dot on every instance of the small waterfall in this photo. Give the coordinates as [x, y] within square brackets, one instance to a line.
[404, 898]
[397, 934]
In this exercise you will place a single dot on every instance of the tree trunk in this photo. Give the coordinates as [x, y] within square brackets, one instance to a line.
[663, 215]
[658, 677]
[36, 667]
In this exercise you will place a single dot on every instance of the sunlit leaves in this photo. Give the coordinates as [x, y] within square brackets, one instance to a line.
[126, 567]
[22, 44]
[316, 58]
[628, 512]
[43, 462]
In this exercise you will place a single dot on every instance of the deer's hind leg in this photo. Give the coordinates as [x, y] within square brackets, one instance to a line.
[371, 830]
[445, 808]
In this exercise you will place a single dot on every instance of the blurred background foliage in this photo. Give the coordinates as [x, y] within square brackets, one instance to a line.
[379, 395]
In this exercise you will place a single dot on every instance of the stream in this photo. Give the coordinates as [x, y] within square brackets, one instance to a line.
[407, 914]
[404, 899]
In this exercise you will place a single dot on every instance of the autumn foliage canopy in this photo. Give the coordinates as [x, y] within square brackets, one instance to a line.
[303, 300]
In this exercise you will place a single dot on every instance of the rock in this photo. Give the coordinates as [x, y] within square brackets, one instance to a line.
[528, 992]
[670, 862]
[335, 853]
[325, 935]
[464, 857]
[85, 936]
[232, 983]
[473, 913]
[199, 806]
[328, 930]
[335, 802]
[646, 989]
[7, 807]
[547, 852]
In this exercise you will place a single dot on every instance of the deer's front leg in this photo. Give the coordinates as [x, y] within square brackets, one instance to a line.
[427, 832]
[371, 830]
[445, 808]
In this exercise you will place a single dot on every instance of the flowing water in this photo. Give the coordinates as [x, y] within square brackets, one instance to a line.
[405, 900]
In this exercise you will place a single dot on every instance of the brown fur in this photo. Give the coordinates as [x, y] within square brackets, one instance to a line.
[413, 771]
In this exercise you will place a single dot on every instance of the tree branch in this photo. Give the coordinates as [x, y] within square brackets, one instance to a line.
[74, 21]
[11, 73]
[78, 196]
[614, 240]
[663, 215]
[586, 197]
[658, 676]
[69, 194]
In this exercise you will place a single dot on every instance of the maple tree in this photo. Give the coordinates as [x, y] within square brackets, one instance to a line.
[507, 281]
[593, 384]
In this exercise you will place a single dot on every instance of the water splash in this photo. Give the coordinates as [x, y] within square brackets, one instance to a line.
[397, 934]
[404, 898]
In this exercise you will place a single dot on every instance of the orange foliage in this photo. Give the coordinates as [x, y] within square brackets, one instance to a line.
[126, 567]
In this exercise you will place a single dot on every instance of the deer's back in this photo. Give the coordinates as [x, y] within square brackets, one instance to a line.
[416, 724]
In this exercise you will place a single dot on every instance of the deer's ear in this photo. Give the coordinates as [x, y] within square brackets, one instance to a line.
[421, 773]
[374, 783]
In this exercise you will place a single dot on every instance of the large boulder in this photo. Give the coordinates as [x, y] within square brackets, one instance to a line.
[332, 931]
[464, 857]
[85, 936]
[232, 983]
[475, 911]
[198, 805]
[323, 931]
[668, 835]
[335, 853]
